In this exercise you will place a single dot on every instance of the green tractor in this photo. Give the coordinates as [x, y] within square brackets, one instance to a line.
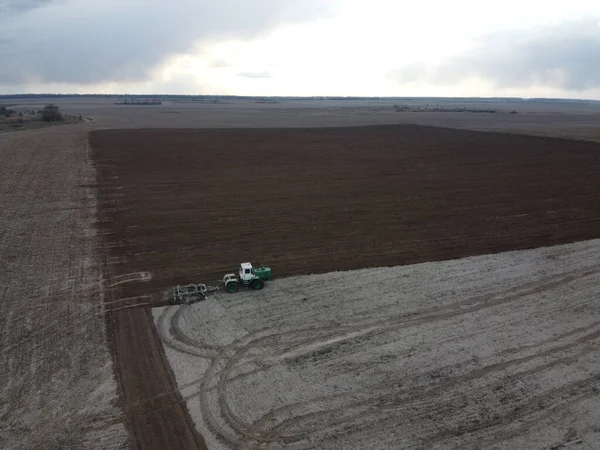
[248, 276]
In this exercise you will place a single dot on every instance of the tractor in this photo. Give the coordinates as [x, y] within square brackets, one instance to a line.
[248, 276]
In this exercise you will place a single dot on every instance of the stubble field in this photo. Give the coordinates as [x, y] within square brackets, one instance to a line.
[56, 382]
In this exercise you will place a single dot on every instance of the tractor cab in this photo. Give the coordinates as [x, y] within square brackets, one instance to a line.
[247, 272]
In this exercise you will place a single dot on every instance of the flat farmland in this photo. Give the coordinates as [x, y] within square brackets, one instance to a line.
[184, 205]
[556, 119]
[189, 205]
[94, 236]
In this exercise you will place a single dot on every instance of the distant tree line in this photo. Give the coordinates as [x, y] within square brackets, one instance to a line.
[6, 112]
[167, 97]
[139, 101]
[415, 108]
[212, 98]
[50, 113]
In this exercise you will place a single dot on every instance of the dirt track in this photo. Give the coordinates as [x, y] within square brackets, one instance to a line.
[153, 408]
[188, 205]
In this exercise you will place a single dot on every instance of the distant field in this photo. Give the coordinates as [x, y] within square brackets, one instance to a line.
[558, 119]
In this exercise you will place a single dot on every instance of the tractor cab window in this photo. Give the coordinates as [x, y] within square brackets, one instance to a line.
[247, 270]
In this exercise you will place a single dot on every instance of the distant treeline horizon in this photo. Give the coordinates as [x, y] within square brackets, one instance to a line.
[167, 97]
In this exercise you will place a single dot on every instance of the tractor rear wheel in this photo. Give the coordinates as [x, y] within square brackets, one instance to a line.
[257, 284]
[232, 287]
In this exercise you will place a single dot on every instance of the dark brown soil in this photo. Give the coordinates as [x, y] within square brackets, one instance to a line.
[156, 414]
[190, 205]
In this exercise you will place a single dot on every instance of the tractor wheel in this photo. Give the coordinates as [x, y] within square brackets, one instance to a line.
[257, 284]
[232, 287]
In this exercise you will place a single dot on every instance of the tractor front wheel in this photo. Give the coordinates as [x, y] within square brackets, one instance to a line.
[232, 287]
[257, 284]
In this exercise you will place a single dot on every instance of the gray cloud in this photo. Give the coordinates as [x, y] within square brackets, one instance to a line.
[216, 63]
[74, 41]
[564, 56]
[260, 74]
[19, 6]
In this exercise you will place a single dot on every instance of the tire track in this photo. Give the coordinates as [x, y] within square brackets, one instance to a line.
[377, 411]
[165, 324]
[64, 312]
[407, 396]
[179, 335]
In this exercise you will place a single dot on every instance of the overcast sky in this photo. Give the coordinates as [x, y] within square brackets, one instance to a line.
[525, 48]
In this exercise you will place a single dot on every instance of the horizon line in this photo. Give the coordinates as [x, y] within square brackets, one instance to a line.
[294, 97]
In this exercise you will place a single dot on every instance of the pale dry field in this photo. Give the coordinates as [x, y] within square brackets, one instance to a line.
[56, 382]
[496, 351]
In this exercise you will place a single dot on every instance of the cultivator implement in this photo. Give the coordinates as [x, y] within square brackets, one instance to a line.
[190, 293]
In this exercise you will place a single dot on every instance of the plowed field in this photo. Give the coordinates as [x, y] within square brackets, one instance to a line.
[189, 205]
